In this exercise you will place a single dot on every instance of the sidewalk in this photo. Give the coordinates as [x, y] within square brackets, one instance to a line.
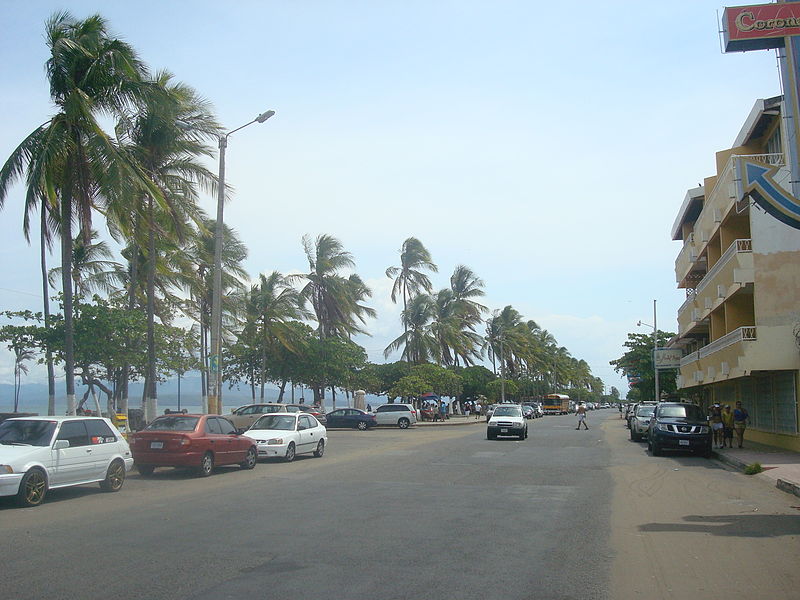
[454, 420]
[781, 467]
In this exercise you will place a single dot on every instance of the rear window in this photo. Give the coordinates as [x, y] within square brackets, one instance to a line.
[173, 424]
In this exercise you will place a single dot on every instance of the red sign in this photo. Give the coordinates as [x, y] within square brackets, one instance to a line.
[760, 26]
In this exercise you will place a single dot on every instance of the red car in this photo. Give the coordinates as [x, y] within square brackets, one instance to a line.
[197, 441]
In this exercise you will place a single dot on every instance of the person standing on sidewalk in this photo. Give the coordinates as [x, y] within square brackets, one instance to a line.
[581, 412]
[715, 418]
[477, 410]
[727, 426]
[740, 416]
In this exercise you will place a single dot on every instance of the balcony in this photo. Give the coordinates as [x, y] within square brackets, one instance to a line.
[736, 263]
[743, 334]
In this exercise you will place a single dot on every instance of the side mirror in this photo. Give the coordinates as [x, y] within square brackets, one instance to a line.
[61, 444]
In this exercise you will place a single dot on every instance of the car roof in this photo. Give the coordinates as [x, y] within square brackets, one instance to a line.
[59, 419]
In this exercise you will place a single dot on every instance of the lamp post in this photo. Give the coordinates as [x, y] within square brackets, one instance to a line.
[215, 355]
[502, 373]
[655, 346]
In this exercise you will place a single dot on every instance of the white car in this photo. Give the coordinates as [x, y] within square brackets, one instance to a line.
[286, 435]
[400, 415]
[507, 419]
[43, 453]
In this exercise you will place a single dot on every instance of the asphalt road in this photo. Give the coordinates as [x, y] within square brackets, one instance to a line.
[435, 512]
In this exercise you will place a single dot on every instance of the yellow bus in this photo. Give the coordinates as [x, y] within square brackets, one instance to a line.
[555, 404]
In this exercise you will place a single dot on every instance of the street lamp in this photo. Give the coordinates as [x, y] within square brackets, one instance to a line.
[215, 356]
[655, 345]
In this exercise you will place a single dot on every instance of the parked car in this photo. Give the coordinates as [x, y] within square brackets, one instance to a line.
[641, 421]
[679, 426]
[401, 415]
[312, 409]
[38, 454]
[528, 411]
[287, 435]
[507, 419]
[351, 417]
[244, 416]
[197, 441]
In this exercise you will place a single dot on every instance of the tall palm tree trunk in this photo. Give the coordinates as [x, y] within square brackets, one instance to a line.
[66, 284]
[151, 390]
[51, 377]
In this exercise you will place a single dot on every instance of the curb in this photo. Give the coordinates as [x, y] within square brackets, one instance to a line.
[782, 484]
[460, 423]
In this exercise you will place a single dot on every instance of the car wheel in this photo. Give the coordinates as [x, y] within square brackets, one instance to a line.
[656, 449]
[403, 423]
[115, 477]
[290, 453]
[522, 436]
[249, 459]
[362, 425]
[320, 449]
[32, 488]
[206, 464]
[145, 469]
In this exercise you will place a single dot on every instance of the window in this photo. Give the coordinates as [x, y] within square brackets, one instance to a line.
[212, 426]
[173, 424]
[33, 433]
[774, 145]
[278, 422]
[305, 422]
[226, 426]
[248, 410]
[99, 432]
[388, 408]
[74, 432]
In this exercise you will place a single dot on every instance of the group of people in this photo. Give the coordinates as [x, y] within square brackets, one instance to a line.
[726, 422]
[473, 407]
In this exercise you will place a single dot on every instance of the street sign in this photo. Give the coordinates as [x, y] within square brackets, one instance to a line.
[667, 358]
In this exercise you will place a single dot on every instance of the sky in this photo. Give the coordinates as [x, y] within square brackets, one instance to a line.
[548, 147]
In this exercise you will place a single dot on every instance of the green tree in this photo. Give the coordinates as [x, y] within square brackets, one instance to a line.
[409, 277]
[638, 361]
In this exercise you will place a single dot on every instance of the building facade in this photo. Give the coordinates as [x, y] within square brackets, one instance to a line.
[739, 327]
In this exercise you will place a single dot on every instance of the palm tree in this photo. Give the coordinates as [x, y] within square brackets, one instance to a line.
[70, 156]
[410, 280]
[418, 342]
[21, 355]
[92, 269]
[333, 297]
[272, 304]
[164, 138]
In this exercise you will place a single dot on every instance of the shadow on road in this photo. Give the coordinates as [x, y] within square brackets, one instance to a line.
[760, 526]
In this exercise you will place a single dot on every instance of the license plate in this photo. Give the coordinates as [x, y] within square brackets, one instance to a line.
[504, 431]
[156, 445]
[683, 442]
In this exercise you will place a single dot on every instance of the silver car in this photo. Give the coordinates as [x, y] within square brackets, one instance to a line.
[400, 415]
[640, 421]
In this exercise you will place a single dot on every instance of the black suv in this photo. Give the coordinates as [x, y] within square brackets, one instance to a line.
[679, 426]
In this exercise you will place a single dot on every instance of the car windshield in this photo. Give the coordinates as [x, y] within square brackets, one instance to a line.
[26, 432]
[507, 411]
[173, 424]
[645, 411]
[682, 411]
[282, 422]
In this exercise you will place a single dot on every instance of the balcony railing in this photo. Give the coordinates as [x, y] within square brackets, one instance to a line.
[774, 160]
[691, 293]
[734, 337]
[737, 246]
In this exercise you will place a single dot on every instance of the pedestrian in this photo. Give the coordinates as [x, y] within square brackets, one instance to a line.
[620, 410]
[740, 416]
[443, 410]
[369, 407]
[727, 426]
[581, 412]
[467, 406]
[477, 410]
[715, 418]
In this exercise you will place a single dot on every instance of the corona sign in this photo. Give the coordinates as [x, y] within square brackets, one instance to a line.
[760, 26]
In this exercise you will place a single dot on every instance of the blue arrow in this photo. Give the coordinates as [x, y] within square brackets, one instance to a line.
[758, 182]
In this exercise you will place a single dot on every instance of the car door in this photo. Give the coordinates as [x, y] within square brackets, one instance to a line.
[236, 446]
[336, 418]
[307, 438]
[75, 463]
[217, 443]
[245, 416]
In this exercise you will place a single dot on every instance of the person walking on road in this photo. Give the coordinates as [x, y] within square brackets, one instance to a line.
[740, 416]
[727, 426]
[581, 412]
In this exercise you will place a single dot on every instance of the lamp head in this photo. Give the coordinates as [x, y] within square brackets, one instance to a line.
[639, 324]
[264, 116]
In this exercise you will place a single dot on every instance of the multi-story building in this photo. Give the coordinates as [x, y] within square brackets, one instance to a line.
[739, 327]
